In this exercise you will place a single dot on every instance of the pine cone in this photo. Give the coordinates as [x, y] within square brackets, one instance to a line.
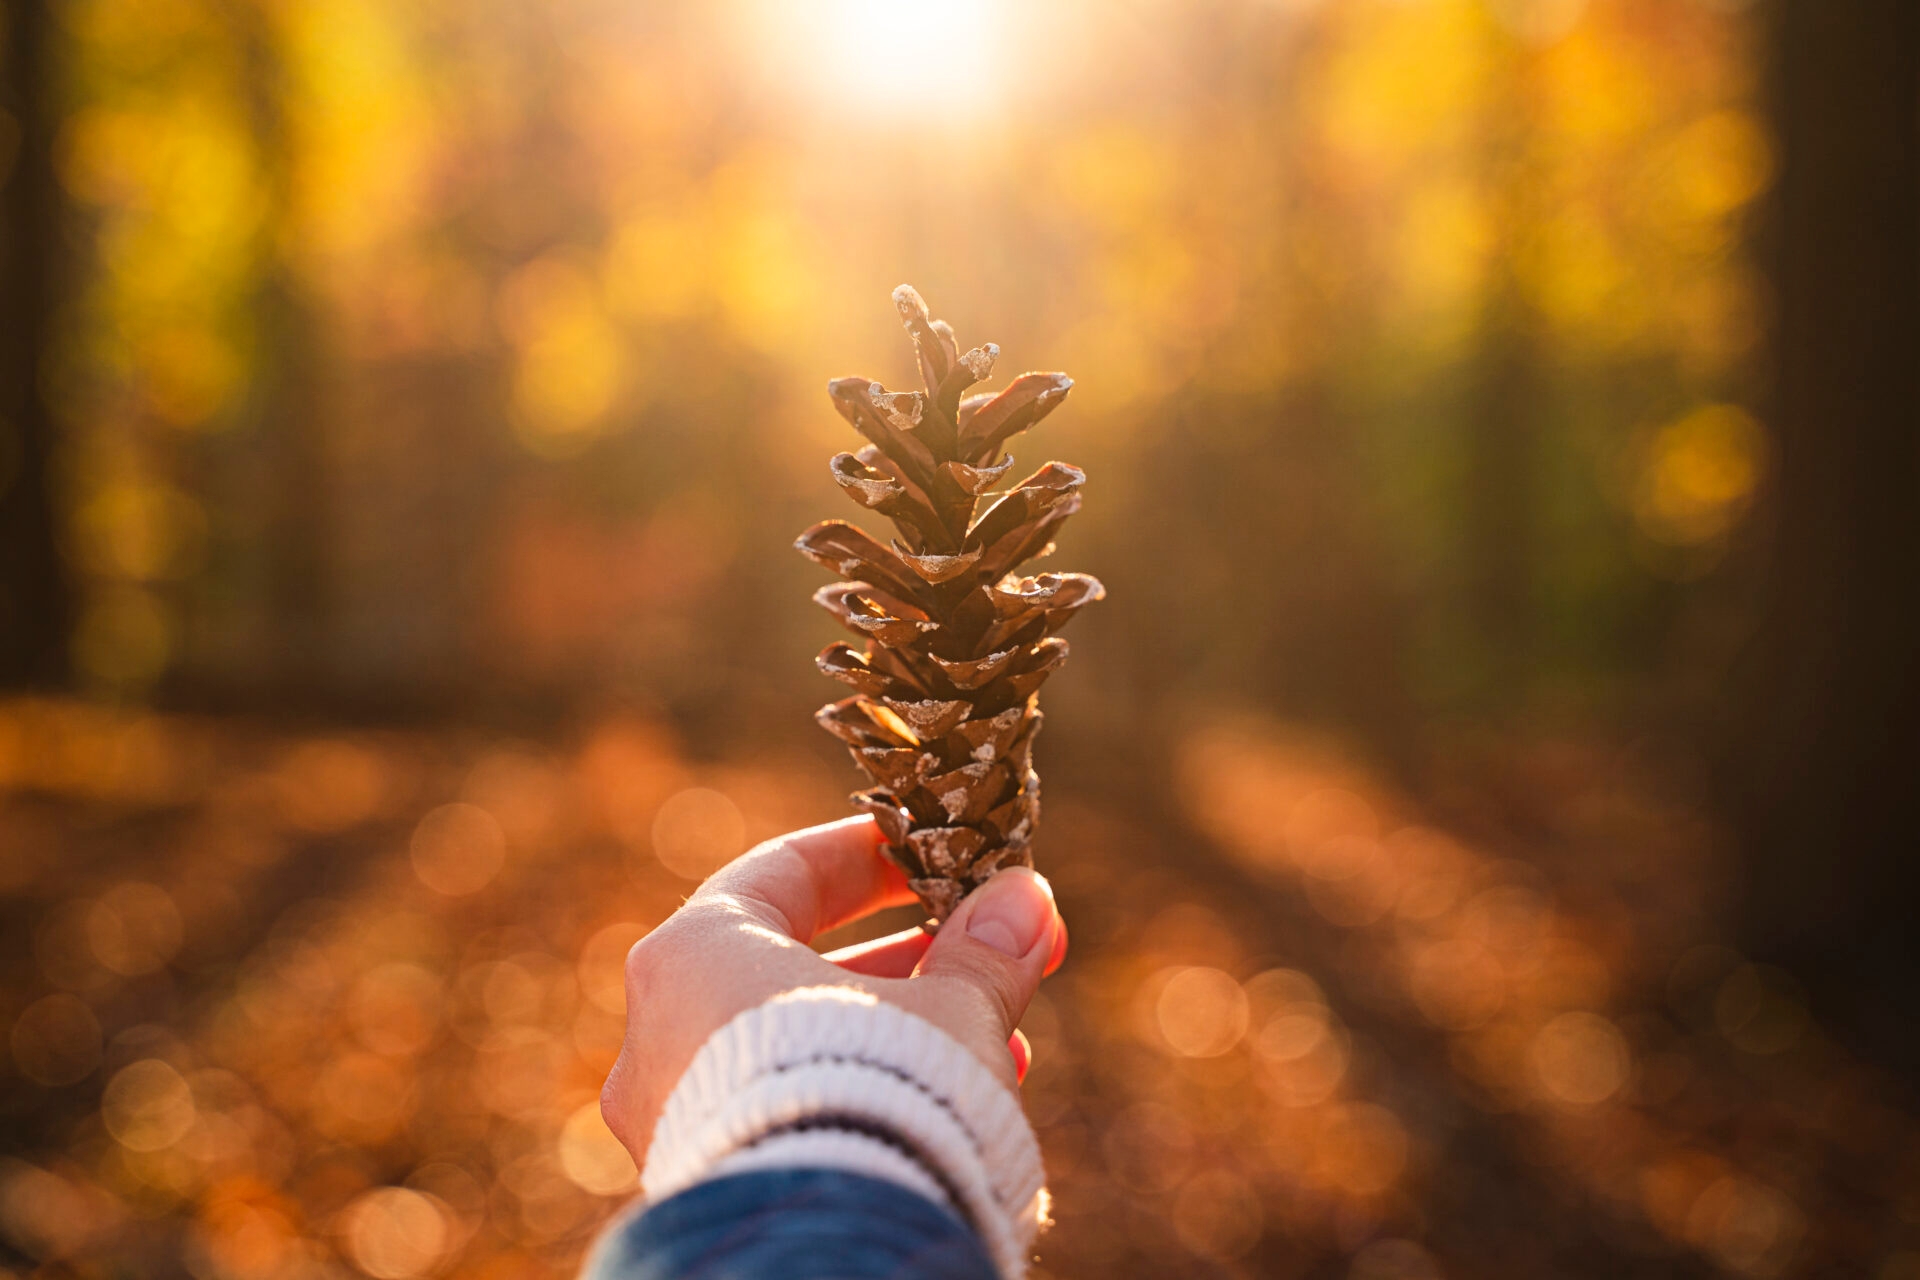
[957, 643]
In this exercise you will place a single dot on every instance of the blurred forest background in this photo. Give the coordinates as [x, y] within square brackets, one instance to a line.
[1483, 803]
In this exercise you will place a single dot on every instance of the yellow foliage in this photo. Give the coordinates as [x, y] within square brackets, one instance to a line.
[1408, 80]
[1719, 163]
[359, 124]
[569, 357]
[1446, 233]
[1575, 276]
[1705, 175]
[1601, 92]
[189, 374]
[658, 266]
[1699, 473]
[139, 531]
[1119, 177]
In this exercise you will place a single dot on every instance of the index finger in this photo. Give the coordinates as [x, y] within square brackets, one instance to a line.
[807, 882]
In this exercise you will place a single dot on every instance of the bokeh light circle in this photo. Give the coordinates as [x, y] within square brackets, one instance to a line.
[592, 1157]
[1202, 1012]
[696, 831]
[1362, 1149]
[134, 928]
[56, 1040]
[147, 1106]
[602, 965]
[1217, 1214]
[395, 1008]
[393, 1233]
[458, 849]
[1580, 1059]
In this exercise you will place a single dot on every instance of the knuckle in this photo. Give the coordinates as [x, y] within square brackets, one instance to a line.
[672, 943]
[650, 966]
[644, 959]
[743, 906]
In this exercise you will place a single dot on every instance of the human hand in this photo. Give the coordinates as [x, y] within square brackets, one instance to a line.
[741, 939]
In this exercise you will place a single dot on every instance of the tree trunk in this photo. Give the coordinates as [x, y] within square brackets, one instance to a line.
[288, 425]
[35, 604]
[1499, 520]
[1822, 759]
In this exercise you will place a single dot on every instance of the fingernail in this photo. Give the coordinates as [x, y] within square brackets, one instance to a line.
[1058, 955]
[1011, 912]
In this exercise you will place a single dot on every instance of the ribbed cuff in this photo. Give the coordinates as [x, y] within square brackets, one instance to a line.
[832, 1077]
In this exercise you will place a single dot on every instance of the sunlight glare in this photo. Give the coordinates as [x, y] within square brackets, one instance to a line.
[890, 55]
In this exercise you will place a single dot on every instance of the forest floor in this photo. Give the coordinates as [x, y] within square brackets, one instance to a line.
[303, 1004]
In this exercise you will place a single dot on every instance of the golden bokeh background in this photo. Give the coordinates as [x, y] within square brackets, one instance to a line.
[420, 401]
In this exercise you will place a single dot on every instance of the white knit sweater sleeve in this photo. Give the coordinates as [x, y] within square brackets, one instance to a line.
[830, 1077]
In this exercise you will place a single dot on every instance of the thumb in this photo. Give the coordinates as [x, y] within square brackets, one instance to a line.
[998, 943]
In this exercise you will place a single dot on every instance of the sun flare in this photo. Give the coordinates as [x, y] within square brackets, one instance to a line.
[888, 55]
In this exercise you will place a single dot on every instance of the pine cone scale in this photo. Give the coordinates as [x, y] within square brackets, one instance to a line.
[977, 480]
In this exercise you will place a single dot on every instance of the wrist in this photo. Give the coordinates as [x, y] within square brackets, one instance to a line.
[832, 1075]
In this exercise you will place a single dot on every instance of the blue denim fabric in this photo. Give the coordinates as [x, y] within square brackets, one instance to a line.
[791, 1224]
